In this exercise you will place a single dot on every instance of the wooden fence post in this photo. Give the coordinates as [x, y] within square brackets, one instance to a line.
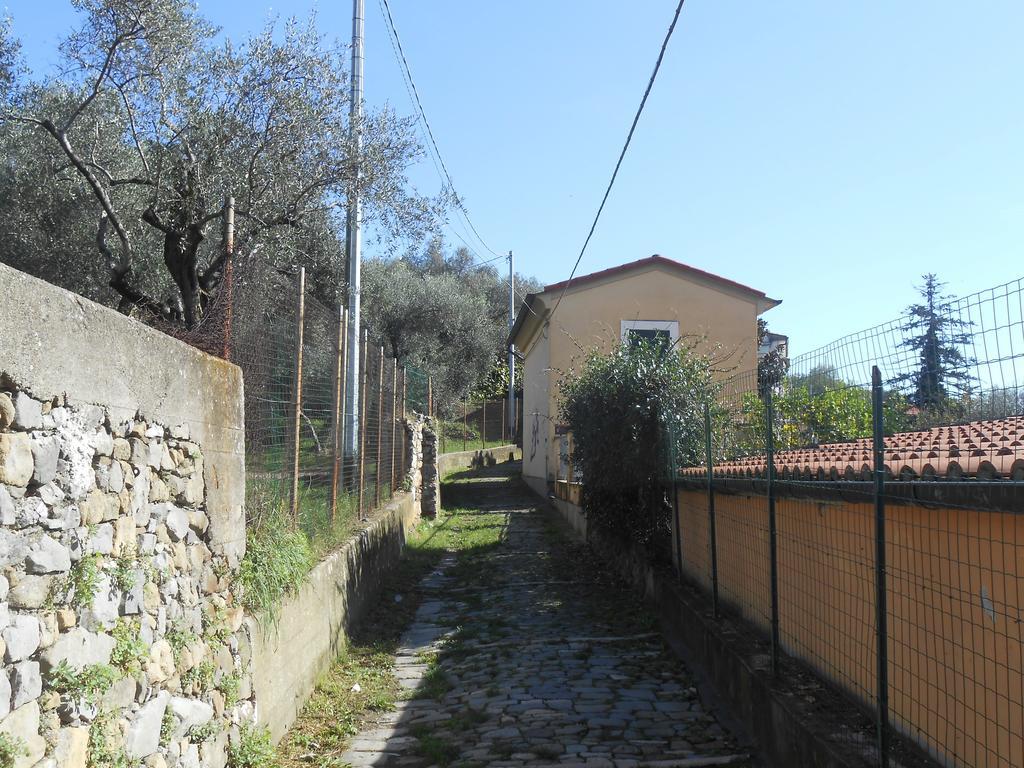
[362, 425]
[405, 415]
[394, 417]
[300, 315]
[229, 274]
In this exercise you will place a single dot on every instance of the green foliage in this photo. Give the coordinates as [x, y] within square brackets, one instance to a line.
[215, 625]
[277, 561]
[635, 413]
[129, 648]
[167, 726]
[179, 638]
[810, 410]
[200, 676]
[153, 116]
[772, 366]
[253, 749]
[445, 314]
[103, 752]
[80, 585]
[200, 733]
[88, 683]
[937, 334]
[125, 571]
[11, 748]
[228, 686]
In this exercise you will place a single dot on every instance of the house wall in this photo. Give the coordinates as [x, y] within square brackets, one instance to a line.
[721, 322]
[537, 432]
[955, 592]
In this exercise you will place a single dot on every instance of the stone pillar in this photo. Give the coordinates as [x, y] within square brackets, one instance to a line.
[431, 501]
[414, 456]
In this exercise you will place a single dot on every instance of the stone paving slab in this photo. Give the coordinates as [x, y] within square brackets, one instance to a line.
[540, 672]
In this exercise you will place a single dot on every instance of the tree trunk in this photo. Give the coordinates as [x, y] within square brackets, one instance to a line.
[180, 256]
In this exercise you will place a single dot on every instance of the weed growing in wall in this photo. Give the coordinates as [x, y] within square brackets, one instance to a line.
[200, 733]
[80, 585]
[124, 571]
[200, 677]
[229, 687]
[253, 749]
[129, 648]
[102, 750]
[179, 638]
[11, 748]
[85, 684]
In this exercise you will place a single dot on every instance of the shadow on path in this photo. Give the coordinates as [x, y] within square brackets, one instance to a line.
[524, 652]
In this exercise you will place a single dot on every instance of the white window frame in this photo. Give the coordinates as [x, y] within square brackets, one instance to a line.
[672, 326]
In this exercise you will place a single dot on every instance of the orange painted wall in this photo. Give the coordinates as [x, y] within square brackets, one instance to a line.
[955, 598]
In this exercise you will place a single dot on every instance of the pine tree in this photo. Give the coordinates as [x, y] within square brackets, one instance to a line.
[937, 334]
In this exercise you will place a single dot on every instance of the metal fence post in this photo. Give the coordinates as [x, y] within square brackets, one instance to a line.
[504, 408]
[881, 609]
[362, 424]
[300, 315]
[677, 524]
[380, 429]
[772, 532]
[336, 411]
[483, 426]
[394, 418]
[712, 534]
[465, 422]
[343, 415]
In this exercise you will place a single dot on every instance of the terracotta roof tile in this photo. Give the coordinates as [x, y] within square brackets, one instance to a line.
[986, 450]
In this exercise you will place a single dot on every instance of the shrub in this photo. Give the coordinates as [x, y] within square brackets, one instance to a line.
[635, 413]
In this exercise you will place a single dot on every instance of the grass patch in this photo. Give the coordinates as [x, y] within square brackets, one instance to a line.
[438, 750]
[336, 712]
[277, 560]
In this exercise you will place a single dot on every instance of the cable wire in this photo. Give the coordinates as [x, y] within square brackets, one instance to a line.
[430, 133]
[622, 155]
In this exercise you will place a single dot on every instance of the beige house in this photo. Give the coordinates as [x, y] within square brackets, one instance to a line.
[650, 297]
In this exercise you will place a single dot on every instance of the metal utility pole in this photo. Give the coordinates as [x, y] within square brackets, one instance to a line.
[511, 347]
[354, 222]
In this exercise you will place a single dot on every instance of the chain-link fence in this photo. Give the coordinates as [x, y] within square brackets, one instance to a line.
[476, 425]
[860, 515]
[308, 455]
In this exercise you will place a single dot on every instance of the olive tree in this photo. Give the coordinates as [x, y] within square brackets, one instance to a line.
[155, 121]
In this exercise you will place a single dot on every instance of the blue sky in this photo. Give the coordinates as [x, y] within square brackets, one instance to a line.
[826, 153]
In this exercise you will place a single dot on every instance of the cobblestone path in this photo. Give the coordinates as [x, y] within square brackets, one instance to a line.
[524, 653]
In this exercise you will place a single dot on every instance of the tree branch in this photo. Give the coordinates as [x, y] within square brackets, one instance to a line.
[98, 191]
[104, 71]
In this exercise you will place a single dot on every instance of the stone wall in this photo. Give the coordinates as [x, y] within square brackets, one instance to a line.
[121, 487]
[430, 504]
[317, 618]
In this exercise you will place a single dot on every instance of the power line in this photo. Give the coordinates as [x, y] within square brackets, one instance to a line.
[622, 154]
[430, 133]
